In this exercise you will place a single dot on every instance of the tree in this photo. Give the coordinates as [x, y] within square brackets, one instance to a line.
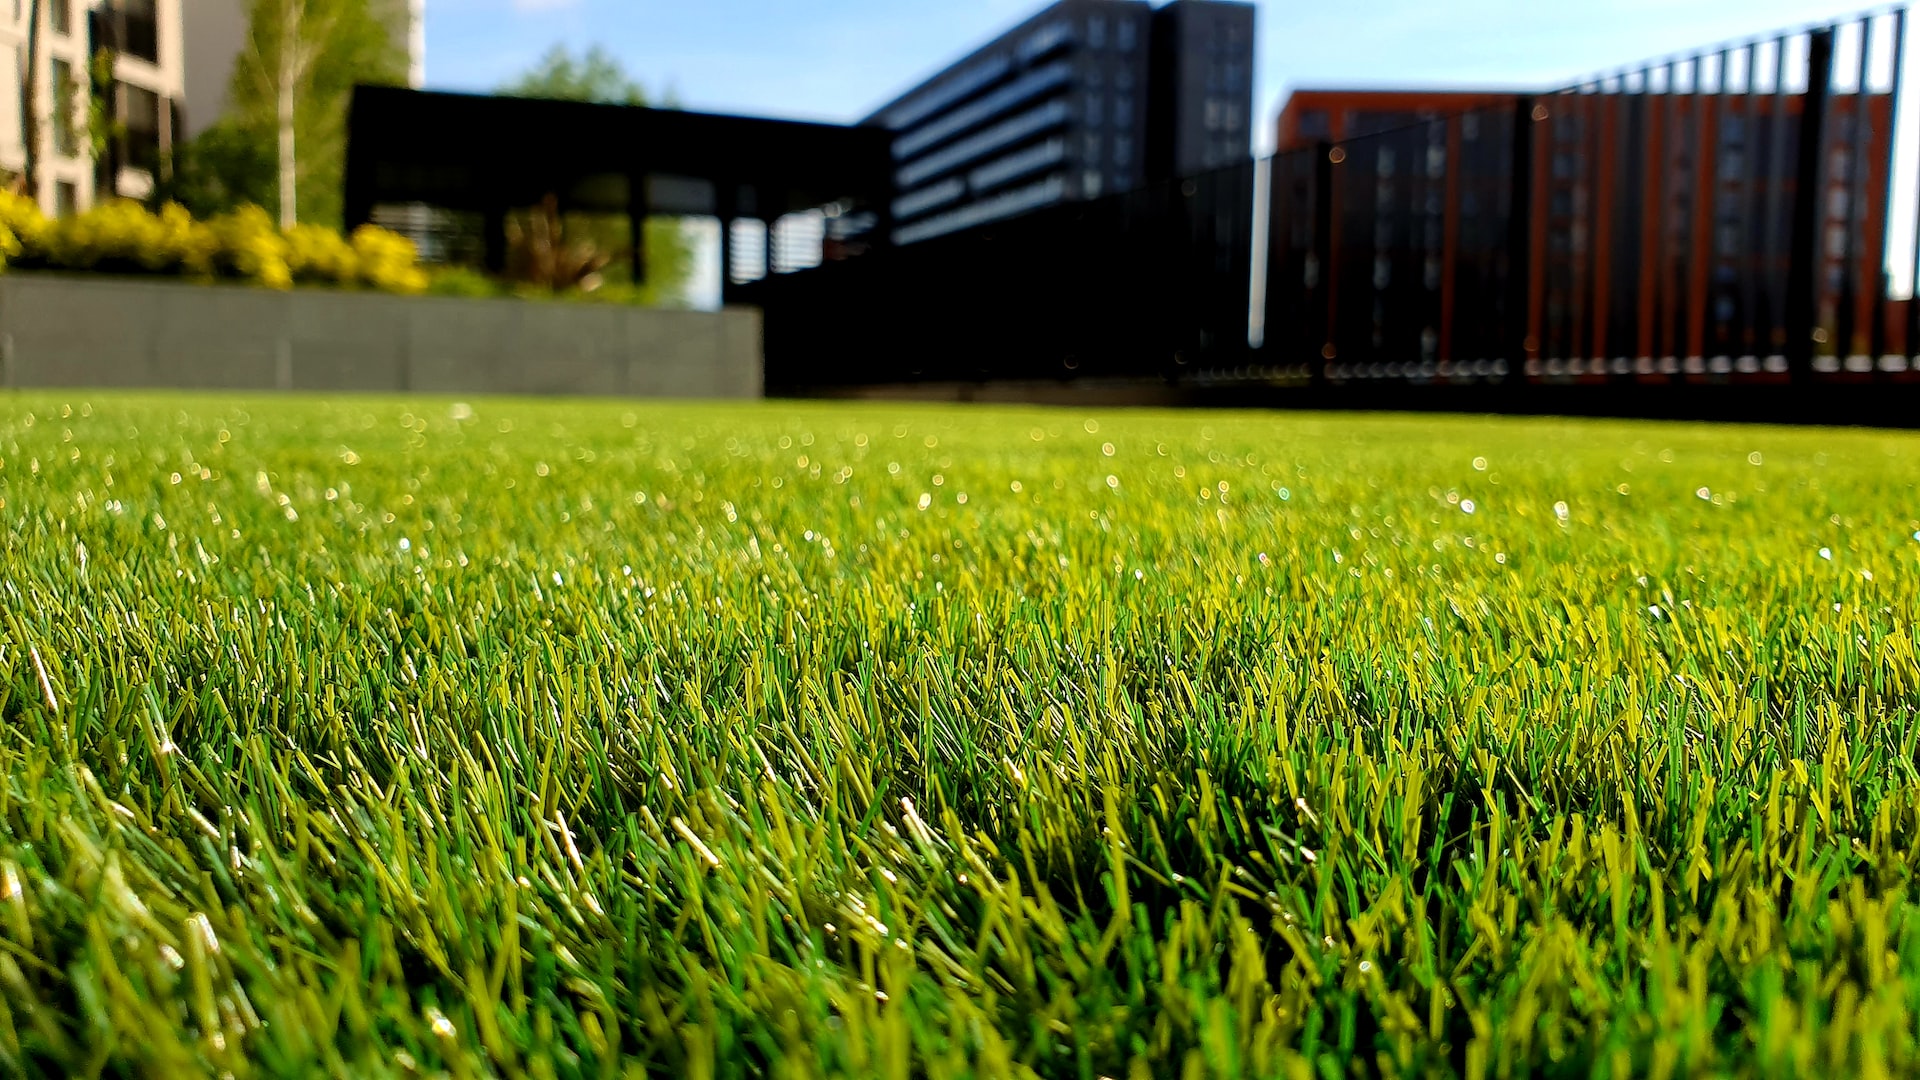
[596, 76]
[291, 85]
[227, 166]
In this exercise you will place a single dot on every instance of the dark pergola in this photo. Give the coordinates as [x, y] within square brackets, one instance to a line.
[490, 155]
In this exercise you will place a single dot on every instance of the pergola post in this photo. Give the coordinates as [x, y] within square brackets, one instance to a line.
[725, 199]
[637, 225]
[494, 229]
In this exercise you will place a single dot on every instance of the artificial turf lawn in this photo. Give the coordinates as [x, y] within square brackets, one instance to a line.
[406, 737]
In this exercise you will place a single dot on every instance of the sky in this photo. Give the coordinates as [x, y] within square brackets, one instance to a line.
[838, 60]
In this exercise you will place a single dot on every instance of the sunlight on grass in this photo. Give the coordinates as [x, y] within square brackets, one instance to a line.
[395, 737]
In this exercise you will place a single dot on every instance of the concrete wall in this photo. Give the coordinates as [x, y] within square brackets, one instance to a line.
[75, 331]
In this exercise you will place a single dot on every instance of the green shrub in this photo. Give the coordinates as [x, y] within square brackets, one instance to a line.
[464, 282]
[252, 247]
[387, 261]
[123, 237]
[317, 255]
[24, 226]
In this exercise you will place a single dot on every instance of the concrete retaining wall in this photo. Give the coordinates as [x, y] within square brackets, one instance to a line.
[75, 331]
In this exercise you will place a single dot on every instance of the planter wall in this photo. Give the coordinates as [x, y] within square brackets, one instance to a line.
[76, 331]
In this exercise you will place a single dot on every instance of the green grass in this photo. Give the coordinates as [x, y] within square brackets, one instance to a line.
[403, 738]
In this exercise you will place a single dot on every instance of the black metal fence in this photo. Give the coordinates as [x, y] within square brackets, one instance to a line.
[1722, 216]
[1151, 283]
[1718, 218]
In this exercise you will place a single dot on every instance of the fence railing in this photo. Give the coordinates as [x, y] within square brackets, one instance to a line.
[1722, 216]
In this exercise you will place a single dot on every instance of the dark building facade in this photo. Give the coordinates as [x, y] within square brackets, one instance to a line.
[1201, 116]
[1057, 110]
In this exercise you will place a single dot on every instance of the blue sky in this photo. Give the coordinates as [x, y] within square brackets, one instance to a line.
[837, 59]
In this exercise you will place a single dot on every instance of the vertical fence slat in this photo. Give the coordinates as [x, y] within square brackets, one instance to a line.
[1703, 205]
[1804, 252]
[1321, 295]
[1519, 240]
[1877, 347]
[1779, 228]
[1601, 244]
[1747, 260]
[1846, 344]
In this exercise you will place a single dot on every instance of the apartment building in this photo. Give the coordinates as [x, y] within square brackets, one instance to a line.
[143, 95]
[1058, 109]
[1201, 113]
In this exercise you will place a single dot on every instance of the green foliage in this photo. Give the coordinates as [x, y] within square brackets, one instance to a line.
[22, 225]
[464, 281]
[122, 237]
[225, 167]
[344, 42]
[119, 236]
[400, 737]
[597, 75]
[102, 128]
[385, 260]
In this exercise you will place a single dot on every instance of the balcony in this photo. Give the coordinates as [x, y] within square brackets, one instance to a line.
[128, 27]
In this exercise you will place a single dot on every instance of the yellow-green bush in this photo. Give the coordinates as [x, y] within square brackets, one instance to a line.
[22, 224]
[388, 261]
[252, 247]
[183, 242]
[316, 254]
[124, 237]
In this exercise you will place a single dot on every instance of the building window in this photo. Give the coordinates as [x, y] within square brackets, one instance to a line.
[1097, 32]
[1124, 35]
[1123, 111]
[1123, 151]
[66, 199]
[1315, 124]
[141, 118]
[139, 29]
[63, 16]
[1095, 115]
[65, 104]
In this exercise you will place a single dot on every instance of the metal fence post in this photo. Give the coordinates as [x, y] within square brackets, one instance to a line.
[1322, 255]
[1877, 346]
[1520, 240]
[1803, 278]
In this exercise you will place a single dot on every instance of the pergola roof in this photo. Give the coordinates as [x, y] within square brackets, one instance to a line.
[472, 152]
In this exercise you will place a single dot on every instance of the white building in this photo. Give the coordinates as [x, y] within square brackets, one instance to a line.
[148, 83]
